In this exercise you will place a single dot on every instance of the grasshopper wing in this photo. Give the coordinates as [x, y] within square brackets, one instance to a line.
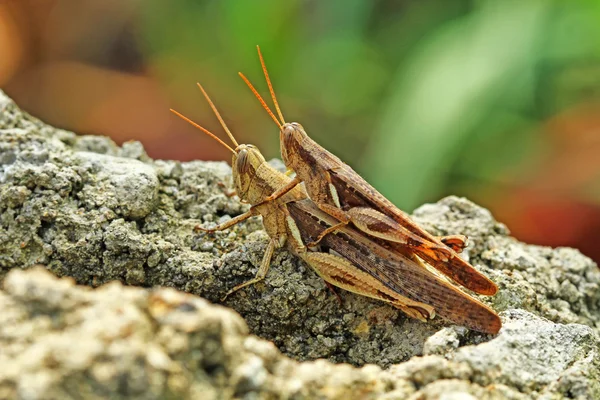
[358, 193]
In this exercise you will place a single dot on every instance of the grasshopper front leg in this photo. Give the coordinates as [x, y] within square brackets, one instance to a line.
[266, 261]
[228, 224]
[262, 271]
[281, 191]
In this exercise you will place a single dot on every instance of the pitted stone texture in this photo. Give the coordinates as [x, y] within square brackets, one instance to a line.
[128, 187]
[62, 341]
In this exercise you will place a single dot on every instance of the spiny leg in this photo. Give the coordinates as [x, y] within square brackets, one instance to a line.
[379, 225]
[262, 270]
[280, 192]
[383, 227]
[441, 257]
[227, 224]
[335, 212]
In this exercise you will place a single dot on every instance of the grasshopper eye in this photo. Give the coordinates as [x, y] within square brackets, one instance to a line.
[242, 160]
[288, 133]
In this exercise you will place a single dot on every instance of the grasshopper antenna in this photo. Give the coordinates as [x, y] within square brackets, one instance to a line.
[262, 101]
[209, 133]
[218, 115]
[264, 68]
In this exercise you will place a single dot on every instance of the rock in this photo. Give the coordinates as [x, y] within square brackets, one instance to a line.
[519, 356]
[128, 187]
[444, 341]
[89, 210]
[65, 341]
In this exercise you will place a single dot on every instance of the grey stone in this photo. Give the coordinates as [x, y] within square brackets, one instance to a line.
[87, 209]
[128, 187]
[531, 353]
[444, 341]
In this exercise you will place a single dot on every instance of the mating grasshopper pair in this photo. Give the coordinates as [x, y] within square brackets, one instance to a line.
[348, 232]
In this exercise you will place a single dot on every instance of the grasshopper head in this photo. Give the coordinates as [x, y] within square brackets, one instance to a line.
[244, 163]
[291, 136]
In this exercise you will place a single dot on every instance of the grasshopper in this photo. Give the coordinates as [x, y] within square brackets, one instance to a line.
[347, 258]
[342, 193]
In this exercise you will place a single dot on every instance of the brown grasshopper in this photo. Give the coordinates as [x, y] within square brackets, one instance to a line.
[356, 263]
[342, 193]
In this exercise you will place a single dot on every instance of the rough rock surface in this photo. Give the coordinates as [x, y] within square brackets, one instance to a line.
[88, 209]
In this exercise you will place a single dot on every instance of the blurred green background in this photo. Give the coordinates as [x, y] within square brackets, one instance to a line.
[497, 101]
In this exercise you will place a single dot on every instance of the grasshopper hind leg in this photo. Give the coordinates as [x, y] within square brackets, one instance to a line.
[342, 273]
[379, 225]
[438, 255]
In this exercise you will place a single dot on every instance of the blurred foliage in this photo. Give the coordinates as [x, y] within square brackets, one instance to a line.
[439, 92]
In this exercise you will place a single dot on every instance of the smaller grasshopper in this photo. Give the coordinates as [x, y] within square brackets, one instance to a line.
[353, 261]
[342, 193]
